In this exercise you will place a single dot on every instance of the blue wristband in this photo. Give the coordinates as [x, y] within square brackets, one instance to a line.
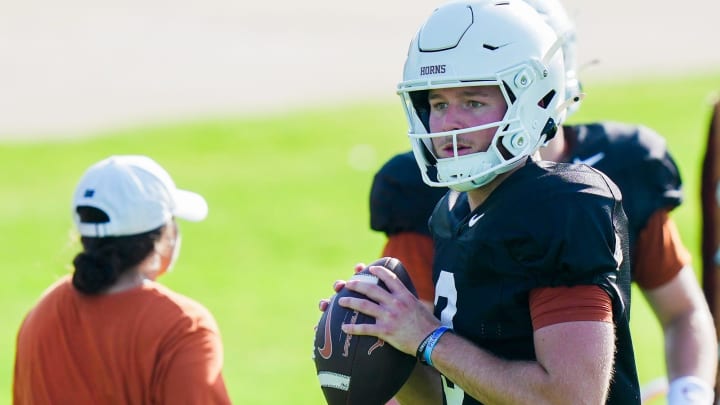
[431, 342]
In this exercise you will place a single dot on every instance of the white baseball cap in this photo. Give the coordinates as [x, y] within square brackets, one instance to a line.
[137, 195]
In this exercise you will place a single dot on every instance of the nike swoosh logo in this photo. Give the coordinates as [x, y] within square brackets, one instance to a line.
[592, 160]
[326, 350]
[379, 343]
[474, 219]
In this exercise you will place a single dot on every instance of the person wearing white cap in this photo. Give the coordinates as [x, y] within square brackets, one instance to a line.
[109, 333]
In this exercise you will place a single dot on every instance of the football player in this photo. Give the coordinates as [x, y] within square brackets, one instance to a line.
[531, 268]
[636, 159]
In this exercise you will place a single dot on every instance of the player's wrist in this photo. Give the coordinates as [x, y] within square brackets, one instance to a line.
[689, 390]
[426, 347]
[420, 352]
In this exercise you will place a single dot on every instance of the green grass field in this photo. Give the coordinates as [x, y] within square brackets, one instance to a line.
[288, 198]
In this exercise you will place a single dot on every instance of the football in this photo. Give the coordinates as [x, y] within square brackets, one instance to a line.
[353, 369]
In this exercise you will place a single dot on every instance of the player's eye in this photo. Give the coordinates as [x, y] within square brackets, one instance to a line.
[439, 106]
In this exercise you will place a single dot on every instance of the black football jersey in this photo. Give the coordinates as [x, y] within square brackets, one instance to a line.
[546, 225]
[399, 199]
[636, 159]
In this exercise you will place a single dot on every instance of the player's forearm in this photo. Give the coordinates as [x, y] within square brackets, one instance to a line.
[691, 357]
[493, 380]
[691, 348]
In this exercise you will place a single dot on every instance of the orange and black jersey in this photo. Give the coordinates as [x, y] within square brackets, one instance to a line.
[636, 159]
[546, 225]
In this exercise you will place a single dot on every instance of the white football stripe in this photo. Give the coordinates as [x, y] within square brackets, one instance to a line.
[334, 380]
[364, 277]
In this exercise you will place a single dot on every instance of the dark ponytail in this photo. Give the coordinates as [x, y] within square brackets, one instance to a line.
[103, 260]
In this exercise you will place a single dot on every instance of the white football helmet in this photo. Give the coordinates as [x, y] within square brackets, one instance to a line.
[556, 16]
[484, 43]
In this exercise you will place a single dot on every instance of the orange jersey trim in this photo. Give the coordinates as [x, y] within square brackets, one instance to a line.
[552, 305]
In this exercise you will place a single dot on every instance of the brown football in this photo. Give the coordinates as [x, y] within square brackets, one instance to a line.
[353, 369]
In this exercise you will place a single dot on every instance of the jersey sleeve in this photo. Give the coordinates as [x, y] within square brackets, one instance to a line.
[415, 251]
[588, 245]
[659, 252]
[590, 241]
[400, 201]
[574, 240]
[573, 232]
[190, 367]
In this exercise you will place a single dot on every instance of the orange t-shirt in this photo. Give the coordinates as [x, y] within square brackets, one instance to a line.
[141, 346]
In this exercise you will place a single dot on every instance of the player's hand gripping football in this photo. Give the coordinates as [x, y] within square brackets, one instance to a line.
[400, 318]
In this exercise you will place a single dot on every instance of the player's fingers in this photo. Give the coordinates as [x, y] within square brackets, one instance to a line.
[385, 322]
[391, 280]
[365, 306]
[338, 285]
[358, 267]
[359, 329]
[369, 289]
[323, 305]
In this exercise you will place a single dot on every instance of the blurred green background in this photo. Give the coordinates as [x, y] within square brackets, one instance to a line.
[288, 198]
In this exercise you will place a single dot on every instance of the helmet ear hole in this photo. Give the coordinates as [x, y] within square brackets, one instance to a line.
[547, 99]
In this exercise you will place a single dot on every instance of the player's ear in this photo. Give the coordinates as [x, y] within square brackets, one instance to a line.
[151, 266]
[165, 252]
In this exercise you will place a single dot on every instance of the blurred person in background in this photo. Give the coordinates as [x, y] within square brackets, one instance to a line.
[110, 333]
